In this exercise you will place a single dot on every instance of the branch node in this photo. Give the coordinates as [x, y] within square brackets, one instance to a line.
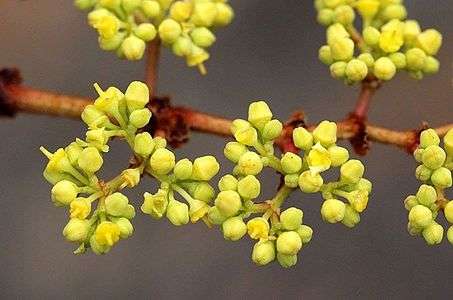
[285, 142]
[414, 138]
[359, 141]
[8, 77]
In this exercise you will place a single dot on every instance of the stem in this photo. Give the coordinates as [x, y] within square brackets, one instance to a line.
[281, 196]
[152, 64]
[363, 102]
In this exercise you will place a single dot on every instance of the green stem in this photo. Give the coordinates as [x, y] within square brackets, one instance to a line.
[281, 196]
[183, 193]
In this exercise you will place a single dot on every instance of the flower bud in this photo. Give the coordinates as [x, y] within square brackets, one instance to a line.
[139, 118]
[181, 11]
[133, 47]
[250, 163]
[426, 195]
[368, 59]
[310, 182]
[126, 228]
[183, 169]
[178, 213]
[182, 46]
[258, 228]
[371, 36]
[97, 138]
[433, 234]
[197, 57]
[356, 70]
[352, 171]
[64, 192]
[430, 41]
[234, 229]
[215, 217]
[441, 178]
[289, 243]
[325, 16]
[318, 159]
[325, 133]
[116, 204]
[413, 230]
[410, 202]
[205, 167]
[399, 60]
[97, 248]
[130, 5]
[338, 69]
[292, 180]
[448, 211]
[92, 115]
[137, 95]
[384, 68]
[433, 157]
[204, 14]
[394, 11]
[333, 210]
[131, 177]
[197, 210]
[291, 163]
[423, 173]
[259, 114]
[392, 36]
[428, 138]
[344, 14]
[286, 261]
[358, 200]
[338, 155]
[80, 208]
[450, 235]
[291, 218]
[169, 31]
[228, 203]
[151, 8]
[263, 252]
[143, 144]
[431, 66]
[234, 150]
[342, 49]
[272, 130]
[224, 14]
[351, 217]
[305, 233]
[334, 32]
[415, 59]
[155, 205]
[107, 233]
[76, 230]
[84, 4]
[247, 136]
[325, 55]
[420, 216]
[202, 37]
[302, 138]
[249, 187]
[448, 142]
[162, 161]
[90, 160]
[228, 183]
[367, 8]
[146, 32]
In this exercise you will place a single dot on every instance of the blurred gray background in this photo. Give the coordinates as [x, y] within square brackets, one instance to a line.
[269, 52]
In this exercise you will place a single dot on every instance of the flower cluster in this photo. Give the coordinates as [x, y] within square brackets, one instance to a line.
[435, 172]
[72, 170]
[184, 26]
[388, 42]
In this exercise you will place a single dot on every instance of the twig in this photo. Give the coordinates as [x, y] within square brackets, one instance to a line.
[369, 87]
[18, 98]
[152, 64]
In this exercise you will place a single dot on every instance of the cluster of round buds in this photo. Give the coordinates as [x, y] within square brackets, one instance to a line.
[435, 172]
[185, 26]
[320, 153]
[72, 170]
[388, 43]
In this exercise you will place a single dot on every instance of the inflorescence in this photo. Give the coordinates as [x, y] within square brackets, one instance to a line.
[388, 43]
[435, 173]
[186, 194]
[186, 26]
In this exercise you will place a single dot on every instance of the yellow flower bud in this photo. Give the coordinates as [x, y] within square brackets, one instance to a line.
[233, 151]
[416, 59]
[448, 142]
[64, 192]
[292, 180]
[181, 11]
[80, 208]
[204, 14]
[228, 203]
[202, 37]
[249, 187]
[384, 68]
[336, 31]
[84, 4]
[250, 163]
[225, 14]
[97, 248]
[367, 8]
[204, 168]
[310, 182]
[352, 171]
[338, 155]
[358, 200]
[302, 138]
[258, 228]
[291, 218]
[431, 66]
[162, 161]
[125, 226]
[450, 235]
[325, 55]
[155, 205]
[351, 217]
[182, 46]
[107, 233]
[318, 159]
[183, 169]
[342, 49]
[289, 243]
[338, 69]
[325, 133]
[259, 114]
[111, 4]
[137, 96]
[116, 204]
[197, 210]
[441, 178]
[423, 173]
[228, 183]
[356, 70]
[411, 31]
[368, 59]
[263, 252]
[326, 16]
[305, 233]
[371, 35]
[197, 57]
[448, 211]
[433, 157]
[344, 14]
[92, 115]
[151, 8]
[90, 160]
[286, 261]
[426, 195]
[169, 31]
[398, 59]
[410, 202]
[272, 130]
[133, 47]
[144, 144]
[178, 213]
[291, 163]
[107, 26]
[394, 11]
[76, 230]
[215, 217]
[203, 191]
[146, 32]
[392, 36]
[430, 41]
[420, 216]
[433, 234]
[234, 229]
[333, 210]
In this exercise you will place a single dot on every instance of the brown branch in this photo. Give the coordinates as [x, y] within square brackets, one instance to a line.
[15, 97]
[152, 64]
[367, 91]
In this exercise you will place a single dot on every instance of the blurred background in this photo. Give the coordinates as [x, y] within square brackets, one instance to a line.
[269, 52]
